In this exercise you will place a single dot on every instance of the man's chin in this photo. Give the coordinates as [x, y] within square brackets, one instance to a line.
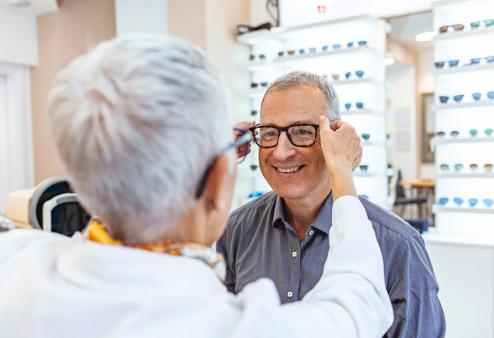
[290, 194]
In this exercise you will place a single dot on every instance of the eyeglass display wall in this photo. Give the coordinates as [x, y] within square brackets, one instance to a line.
[464, 141]
[350, 53]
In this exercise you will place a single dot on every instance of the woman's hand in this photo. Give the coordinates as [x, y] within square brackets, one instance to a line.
[240, 129]
[342, 153]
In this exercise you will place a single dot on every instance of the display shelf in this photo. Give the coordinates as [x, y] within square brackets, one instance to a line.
[439, 3]
[465, 175]
[436, 141]
[435, 236]
[254, 37]
[366, 58]
[463, 69]
[462, 34]
[366, 174]
[436, 208]
[371, 144]
[483, 103]
[308, 56]
[277, 33]
[360, 112]
[356, 81]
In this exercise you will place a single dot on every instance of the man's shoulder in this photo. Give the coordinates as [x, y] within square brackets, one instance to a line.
[255, 207]
[387, 225]
[252, 215]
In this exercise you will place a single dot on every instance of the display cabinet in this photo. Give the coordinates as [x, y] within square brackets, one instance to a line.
[464, 141]
[350, 53]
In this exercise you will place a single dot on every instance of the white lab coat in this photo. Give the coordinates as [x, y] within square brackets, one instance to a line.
[54, 286]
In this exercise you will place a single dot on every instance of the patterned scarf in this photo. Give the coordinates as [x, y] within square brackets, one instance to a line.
[96, 232]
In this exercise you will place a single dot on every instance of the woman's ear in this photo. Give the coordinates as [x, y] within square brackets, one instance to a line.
[219, 186]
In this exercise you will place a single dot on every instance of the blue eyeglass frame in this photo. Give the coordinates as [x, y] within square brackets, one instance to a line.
[245, 138]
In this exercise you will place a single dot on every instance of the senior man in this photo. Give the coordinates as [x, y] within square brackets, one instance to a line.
[285, 234]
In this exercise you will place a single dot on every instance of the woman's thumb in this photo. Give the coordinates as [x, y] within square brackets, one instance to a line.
[324, 125]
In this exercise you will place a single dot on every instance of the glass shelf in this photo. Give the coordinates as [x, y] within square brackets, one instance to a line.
[277, 33]
[366, 174]
[483, 103]
[462, 69]
[307, 56]
[461, 34]
[435, 141]
[355, 81]
[360, 112]
[436, 208]
[465, 175]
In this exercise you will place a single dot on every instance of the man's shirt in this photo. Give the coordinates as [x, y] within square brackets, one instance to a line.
[259, 242]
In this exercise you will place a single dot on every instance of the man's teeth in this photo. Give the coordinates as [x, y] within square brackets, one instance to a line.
[288, 170]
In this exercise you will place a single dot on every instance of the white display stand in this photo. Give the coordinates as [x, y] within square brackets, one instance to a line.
[473, 148]
[313, 48]
[464, 268]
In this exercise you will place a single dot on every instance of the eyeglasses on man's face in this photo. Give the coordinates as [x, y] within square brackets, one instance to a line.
[299, 134]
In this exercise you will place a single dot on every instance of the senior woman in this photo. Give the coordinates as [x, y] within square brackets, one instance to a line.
[142, 126]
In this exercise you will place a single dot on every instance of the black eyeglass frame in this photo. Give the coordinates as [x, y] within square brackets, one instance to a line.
[285, 129]
[245, 138]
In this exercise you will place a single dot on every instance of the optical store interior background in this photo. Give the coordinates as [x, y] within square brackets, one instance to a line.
[415, 78]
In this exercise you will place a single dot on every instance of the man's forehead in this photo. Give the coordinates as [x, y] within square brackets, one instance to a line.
[297, 104]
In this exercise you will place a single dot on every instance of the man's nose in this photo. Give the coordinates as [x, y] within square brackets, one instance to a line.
[285, 149]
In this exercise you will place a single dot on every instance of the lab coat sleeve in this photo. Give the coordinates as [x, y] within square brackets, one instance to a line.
[350, 300]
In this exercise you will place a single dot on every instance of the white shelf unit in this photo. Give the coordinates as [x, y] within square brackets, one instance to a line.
[464, 116]
[368, 89]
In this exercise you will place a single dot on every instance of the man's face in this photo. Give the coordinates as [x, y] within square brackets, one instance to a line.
[307, 177]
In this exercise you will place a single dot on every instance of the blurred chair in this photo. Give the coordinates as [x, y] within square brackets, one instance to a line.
[402, 200]
[50, 206]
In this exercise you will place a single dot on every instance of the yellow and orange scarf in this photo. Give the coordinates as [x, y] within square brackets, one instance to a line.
[96, 232]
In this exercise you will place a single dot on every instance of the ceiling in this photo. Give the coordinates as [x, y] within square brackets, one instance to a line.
[405, 28]
[37, 7]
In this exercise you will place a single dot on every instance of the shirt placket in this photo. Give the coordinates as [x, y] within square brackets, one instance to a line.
[293, 256]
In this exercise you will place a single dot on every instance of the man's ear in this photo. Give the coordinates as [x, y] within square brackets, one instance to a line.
[217, 186]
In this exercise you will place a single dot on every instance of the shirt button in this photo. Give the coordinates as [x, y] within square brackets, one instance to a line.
[289, 294]
[294, 254]
[311, 232]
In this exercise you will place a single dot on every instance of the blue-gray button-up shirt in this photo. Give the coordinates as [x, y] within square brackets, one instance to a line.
[259, 242]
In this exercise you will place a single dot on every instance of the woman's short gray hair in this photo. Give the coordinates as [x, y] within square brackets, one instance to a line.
[300, 78]
[137, 121]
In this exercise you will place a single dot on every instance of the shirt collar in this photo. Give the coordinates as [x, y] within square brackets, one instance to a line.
[323, 219]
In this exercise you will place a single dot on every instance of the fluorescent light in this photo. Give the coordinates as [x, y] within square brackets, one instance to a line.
[424, 37]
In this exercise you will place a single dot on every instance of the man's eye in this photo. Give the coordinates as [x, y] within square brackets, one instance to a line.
[267, 134]
[302, 132]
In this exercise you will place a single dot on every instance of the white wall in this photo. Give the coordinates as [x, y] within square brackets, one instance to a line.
[18, 36]
[425, 81]
[149, 16]
[402, 119]
[426, 85]
[379, 8]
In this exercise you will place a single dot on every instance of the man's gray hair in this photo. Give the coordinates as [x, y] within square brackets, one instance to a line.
[136, 122]
[299, 78]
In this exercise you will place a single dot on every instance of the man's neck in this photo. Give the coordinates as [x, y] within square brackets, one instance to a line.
[302, 213]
